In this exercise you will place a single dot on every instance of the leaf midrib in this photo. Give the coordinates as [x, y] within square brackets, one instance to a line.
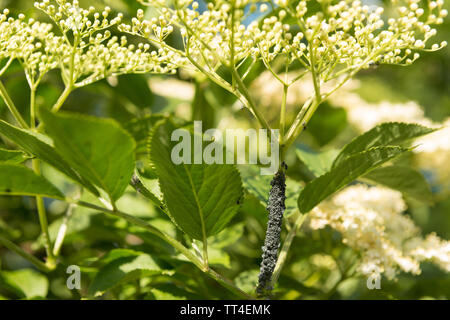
[200, 211]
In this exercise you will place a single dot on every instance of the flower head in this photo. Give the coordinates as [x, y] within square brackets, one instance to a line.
[371, 221]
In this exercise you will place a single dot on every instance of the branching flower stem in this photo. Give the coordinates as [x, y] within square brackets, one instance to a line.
[11, 106]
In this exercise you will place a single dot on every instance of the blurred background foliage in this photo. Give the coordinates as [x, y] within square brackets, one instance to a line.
[136, 101]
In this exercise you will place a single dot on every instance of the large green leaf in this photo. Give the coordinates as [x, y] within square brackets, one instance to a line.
[26, 283]
[122, 265]
[41, 146]
[317, 162]
[404, 179]
[201, 198]
[385, 134]
[11, 156]
[347, 171]
[99, 149]
[19, 180]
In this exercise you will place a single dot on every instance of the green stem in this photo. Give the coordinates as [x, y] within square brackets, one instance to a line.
[297, 126]
[62, 98]
[62, 230]
[35, 261]
[33, 107]
[286, 246]
[283, 112]
[252, 106]
[51, 261]
[10, 104]
[173, 242]
[6, 66]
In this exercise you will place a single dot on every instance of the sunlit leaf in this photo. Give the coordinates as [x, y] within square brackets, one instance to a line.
[99, 149]
[27, 283]
[346, 172]
[41, 146]
[385, 134]
[201, 198]
[19, 180]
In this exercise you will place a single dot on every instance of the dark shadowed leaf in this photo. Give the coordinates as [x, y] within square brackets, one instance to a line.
[404, 179]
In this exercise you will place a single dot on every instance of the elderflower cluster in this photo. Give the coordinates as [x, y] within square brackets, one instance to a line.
[84, 50]
[206, 35]
[372, 222]
[333, 43]
[69, 16]
[25, 41]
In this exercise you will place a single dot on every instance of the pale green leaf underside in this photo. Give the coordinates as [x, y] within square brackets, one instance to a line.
[99, 149]
[404, 179]
[385, 134]
[317, 162]
[19, 180]
[259, 186]
[343, 174]
[201, 199]
[26, 282]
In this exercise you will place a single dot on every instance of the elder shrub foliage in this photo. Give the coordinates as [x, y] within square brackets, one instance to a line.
[92, 91]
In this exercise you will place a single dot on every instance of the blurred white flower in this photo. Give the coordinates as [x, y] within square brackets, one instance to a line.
[371, 220]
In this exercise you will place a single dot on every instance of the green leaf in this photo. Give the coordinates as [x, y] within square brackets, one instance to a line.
[385, 134]
[18, 180]
[259, 186]
[317, 162]
[346, 172]
[201, 198]
[228, 236]
[404, 179]
[247, 280]
[26, 283]
[122, 265]
[140, 128]
[41, 146]
[12, 156]
[99, 149]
